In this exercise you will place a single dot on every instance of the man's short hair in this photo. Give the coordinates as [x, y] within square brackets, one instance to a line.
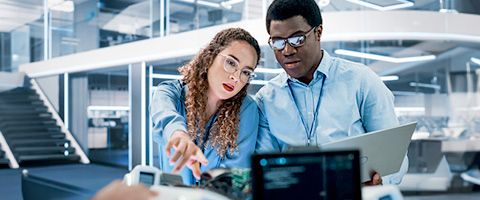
[284, 9]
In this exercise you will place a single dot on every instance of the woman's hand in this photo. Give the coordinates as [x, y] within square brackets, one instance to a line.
[187, 152]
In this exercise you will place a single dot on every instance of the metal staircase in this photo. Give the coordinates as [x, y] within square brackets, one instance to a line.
[33, 133]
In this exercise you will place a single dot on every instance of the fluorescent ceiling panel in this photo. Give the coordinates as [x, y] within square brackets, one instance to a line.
[475, 60]
[223, 4]
[384, 58]
[383, 5]
[425, 85]
[167, 76]
[389, 78]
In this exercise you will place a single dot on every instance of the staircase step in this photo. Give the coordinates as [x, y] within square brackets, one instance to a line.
[38, 142]
[48, 159]
[20, 90]
[6, 134]
[22, 112]
[27, 123]
[4, 163]
[32, 133]
[22, 109]
[38, 135]
[15, 97]
[21, 102]
[40, 116]
[21, 106]
[43, 150]
[31, 128]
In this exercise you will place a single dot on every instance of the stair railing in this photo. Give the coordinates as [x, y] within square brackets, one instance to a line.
[8, 152]
[73, 142]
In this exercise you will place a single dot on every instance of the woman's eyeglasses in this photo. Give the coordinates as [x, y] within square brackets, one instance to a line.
[231, 66]
[294, 41]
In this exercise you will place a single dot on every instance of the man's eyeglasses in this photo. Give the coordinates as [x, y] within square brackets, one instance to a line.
[231, 66]
[294, 41]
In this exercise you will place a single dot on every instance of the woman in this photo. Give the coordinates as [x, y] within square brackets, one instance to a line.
[207, 120]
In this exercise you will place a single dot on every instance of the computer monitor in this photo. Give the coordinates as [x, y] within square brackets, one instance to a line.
[306, 175]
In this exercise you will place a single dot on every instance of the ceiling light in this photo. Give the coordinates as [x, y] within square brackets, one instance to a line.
[389, 78]
[425, 85]
[383, 58]
[448, 10]
[323, 3]
[400, 4]
[62, 6]
[52, 3]
[475, 60]
[231, 2]
[405, 93]
[167, 76]
[207, 3]
[226, 4]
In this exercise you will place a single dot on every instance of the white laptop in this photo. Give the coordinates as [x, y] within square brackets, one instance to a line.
[382, 151]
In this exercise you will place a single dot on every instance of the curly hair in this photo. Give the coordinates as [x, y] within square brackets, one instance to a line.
[224, 132]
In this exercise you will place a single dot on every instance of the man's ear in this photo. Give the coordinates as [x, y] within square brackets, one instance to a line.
[318, 32]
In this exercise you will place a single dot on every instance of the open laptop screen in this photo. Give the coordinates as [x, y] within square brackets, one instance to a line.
[308, 175]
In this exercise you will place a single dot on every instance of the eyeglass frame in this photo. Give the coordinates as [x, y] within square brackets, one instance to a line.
[287, 40]
[250, 78]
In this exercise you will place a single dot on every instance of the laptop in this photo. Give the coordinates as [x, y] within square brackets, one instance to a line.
[306, 175]
[382, 151]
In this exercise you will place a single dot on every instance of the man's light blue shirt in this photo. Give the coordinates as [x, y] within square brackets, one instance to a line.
[169, 115]
[353, 100]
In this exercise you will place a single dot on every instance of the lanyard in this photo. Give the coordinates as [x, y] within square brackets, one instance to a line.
[309, 133]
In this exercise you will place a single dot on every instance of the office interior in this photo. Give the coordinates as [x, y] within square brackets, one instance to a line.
[77, 77]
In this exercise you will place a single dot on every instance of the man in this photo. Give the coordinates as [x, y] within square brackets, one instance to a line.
[320, 98]
[119, 191]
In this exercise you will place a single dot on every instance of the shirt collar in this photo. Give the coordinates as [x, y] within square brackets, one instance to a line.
[323, 68]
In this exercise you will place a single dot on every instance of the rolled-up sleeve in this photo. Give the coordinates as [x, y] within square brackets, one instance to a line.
[377, 104]
[377, 110]
[266, 142]
[165, 112]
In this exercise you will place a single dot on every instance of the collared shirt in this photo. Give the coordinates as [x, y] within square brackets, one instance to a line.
[353, 100]
[169, 115]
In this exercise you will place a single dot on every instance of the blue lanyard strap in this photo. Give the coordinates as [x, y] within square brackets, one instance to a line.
[309, 133]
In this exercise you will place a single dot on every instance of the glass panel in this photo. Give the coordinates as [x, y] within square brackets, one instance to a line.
[446, 6]
[121, 22]
[87, 25]
[99, 109]
[186, 15]
[21, 33]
